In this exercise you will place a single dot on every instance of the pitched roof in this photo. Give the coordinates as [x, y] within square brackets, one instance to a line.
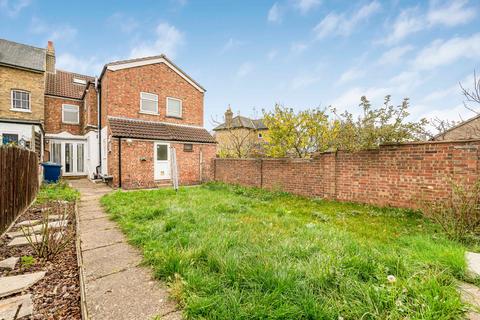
[243, 122]
[61, 84]
[458, 125]
[22, 56]
[141, 129]
[151, 60]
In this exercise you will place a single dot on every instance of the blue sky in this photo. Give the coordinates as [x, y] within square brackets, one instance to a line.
[252, 54]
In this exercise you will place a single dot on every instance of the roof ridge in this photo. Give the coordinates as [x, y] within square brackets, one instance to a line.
[23, 44]
[75, 73]
[136, 59]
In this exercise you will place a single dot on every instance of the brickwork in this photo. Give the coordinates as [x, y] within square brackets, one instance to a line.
[53, 116]
[396, 175]
[122, 93]
[32, 82]
[138, 164]
[90, 118]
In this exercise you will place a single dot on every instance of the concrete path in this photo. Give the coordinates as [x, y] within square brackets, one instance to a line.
[116, 286]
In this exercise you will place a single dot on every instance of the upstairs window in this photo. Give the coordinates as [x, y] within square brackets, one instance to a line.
[174, 107]
[148, 103]
[20, 100]
[70, 114]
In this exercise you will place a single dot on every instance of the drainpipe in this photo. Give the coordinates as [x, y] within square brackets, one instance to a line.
[119, 162]
[99, 120]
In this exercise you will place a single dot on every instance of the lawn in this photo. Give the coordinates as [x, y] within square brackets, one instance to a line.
[230, 252]
[60, 191]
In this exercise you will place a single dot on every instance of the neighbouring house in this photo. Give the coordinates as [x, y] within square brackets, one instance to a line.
[465, 130]
[240, 136]
[22, 87]
[126, 126]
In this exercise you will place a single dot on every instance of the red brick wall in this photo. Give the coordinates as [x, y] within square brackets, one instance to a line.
[53, 116]
[91, 113]
[397, 175]
[139, 174]
[121, 93]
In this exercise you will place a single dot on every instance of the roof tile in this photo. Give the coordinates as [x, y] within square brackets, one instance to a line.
[61, 84]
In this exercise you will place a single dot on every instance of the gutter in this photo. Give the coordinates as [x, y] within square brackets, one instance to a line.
[99, 121]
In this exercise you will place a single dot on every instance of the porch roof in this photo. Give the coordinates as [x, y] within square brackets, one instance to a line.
[152, 130]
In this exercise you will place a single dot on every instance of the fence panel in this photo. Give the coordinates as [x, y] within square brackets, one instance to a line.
[18, 182]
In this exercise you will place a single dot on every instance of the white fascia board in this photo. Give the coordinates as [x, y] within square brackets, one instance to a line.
[154, 61]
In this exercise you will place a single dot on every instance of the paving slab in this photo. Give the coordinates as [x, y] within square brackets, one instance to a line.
[21, 241]
[473, 263]
[27, 223]
[92, 239]
[116, 287]
[14, 284]
[107, 260]
[10, 306]
[38, 228]
[9, 263]
[470, 294]
[130, 294]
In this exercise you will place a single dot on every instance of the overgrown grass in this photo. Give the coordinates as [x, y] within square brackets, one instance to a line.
[56, 191]
[240, 253]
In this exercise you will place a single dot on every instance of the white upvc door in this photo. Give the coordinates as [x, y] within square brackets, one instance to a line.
[161, 154]
[70, 154]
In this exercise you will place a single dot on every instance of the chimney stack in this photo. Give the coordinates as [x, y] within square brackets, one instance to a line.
[50, 62]
[228, 117]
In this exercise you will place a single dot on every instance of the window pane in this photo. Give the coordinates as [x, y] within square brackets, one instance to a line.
[80, 157]
[149, 106]
[9, 138]
[149, 96]
[174, 107]
[68, 157]
[20, 100]
[56, 153]
[162, 152]
[70, 113]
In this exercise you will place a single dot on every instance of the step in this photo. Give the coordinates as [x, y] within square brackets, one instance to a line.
[15, 284]
[473, 263]
[37, 228]
[9, 264]
[29, 223]
[10, 306]
[21, 241]
[470, 294]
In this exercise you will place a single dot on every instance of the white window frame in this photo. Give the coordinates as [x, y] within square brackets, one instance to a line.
[148, 111]
[181, 108]
[63, 113]
[12, 108]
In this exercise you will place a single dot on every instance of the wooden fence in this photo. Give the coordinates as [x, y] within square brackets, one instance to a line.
[18, 182]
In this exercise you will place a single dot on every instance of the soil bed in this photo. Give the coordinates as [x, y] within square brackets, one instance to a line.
[57, 295]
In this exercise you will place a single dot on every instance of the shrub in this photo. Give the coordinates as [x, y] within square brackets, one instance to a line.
[50, 242]
[459, 216]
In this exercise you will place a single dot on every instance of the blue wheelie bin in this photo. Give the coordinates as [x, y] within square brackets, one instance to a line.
[51, 171]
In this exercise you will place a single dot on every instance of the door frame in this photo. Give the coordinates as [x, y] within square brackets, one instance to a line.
[74, 156]
[155, 162]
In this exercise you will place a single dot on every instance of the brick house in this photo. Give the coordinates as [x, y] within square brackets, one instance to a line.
[240, 136]
[127, 125]
[465, 130]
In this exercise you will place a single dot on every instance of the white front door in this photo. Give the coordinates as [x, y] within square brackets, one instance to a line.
[162, 160]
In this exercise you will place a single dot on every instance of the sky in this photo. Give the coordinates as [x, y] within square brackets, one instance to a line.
[252, 54]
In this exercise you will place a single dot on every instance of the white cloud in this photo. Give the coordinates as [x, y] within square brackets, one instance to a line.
[69, 62]
[349, 75]
[302, 81]
[230, 45]
[443, 52]
[412, 20]
[306, 5]
[394, 55]
[53, 32]
[123, 22]
[342, 25]
[13, 7]
[351, 98]
[245, 69]
[451, 14]
[409, 21]
[275, 13]
[298, 47]
[272, 54]
[168, 40]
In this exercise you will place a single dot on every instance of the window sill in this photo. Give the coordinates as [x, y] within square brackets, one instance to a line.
[20, 110]
[174, 117]
[150, 113]
[74, 123]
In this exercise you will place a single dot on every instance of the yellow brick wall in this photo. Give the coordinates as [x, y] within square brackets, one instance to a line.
[32, 82]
